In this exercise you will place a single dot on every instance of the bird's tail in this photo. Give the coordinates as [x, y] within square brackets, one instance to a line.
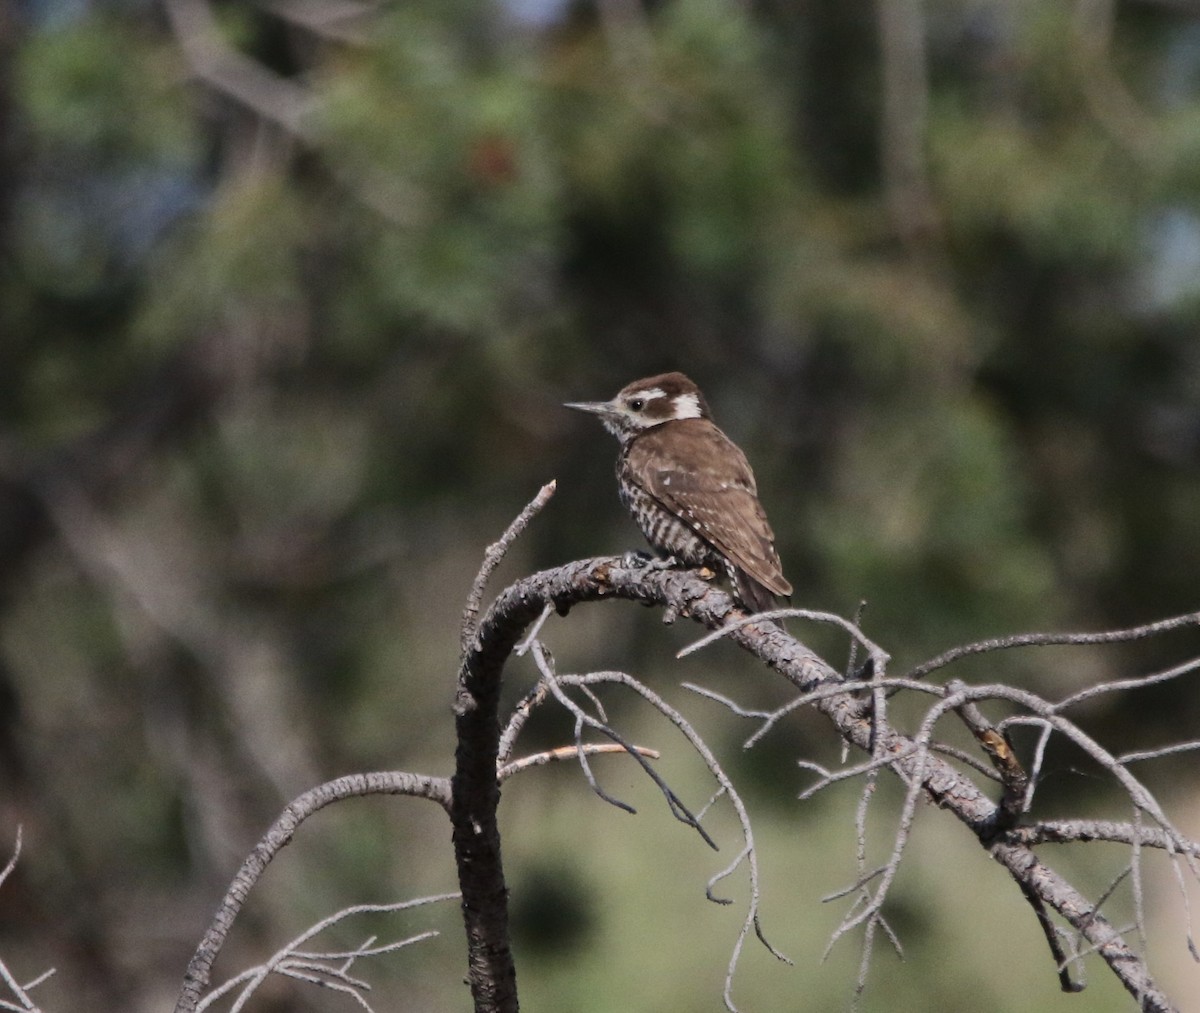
[754, 596]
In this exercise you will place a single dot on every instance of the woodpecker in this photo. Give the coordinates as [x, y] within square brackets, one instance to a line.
[689, 487]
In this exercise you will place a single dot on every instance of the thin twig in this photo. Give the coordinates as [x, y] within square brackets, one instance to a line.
[963, 756]
[1123, 685]
[20, 992]
[1158, 754]
[569, 753]
[491, 559]
[535, 630]
[748, 854]
[873, 649]
[1052, 640]
[555, 682]
[290, 960]
[1061, 960]
[12, 862]
[520, 715]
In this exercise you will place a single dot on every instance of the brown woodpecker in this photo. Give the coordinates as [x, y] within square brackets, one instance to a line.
[689, 487]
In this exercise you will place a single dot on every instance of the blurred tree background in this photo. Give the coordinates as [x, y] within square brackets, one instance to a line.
[290, 294]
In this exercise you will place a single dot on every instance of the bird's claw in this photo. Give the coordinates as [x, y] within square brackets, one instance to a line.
[643, 560]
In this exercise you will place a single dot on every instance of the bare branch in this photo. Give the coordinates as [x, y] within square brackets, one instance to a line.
[1121, 685]
[874, 650]
[555, 682]
[1050, 931]
[492, 557]
[20, 992]
[769, 718]
[1101, 831]
[964, 757]
[1039, 757]
[748, 854]
[520, 715]
[1000, 751]
[16, 855]
[570, 753]
[911, 757]
[1053, 639]
[535, 630]
[394, 782]
[825, 692]
[958, 693]
[322, 968]
[1158, 754]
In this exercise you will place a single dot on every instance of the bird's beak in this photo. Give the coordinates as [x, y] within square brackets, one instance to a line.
[593, 407]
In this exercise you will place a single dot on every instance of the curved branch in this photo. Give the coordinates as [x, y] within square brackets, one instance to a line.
[388, 782]
[477, 844]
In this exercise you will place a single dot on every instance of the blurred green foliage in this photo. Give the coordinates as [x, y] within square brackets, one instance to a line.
[282, 350]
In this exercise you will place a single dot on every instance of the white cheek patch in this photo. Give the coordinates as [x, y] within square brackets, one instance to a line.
[687, 406]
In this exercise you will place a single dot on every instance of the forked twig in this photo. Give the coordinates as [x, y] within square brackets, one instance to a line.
[280, 834]
[328, 968]
[748, 854]
[555, 683]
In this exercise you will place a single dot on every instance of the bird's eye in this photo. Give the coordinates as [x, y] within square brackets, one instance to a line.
[637, 404]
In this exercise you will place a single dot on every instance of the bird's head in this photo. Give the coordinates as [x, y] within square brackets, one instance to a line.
[646, 403]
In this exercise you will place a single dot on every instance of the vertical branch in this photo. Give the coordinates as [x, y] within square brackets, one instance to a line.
[491, 559]
[475, 788]
[475, 794]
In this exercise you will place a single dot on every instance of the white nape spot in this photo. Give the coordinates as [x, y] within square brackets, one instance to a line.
[687, 406]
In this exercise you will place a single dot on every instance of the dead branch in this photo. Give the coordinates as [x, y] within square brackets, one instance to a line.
[329, 969]
[1095, 831]
[748, 855]
[20, 992]
[570, 753]
[1054, 639]
[394, 782]
[492, 557]
[912, 757]
[855, 708]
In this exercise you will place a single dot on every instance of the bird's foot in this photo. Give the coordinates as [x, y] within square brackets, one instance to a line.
[643, 560]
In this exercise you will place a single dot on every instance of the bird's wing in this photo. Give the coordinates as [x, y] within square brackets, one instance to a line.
[714, 493]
